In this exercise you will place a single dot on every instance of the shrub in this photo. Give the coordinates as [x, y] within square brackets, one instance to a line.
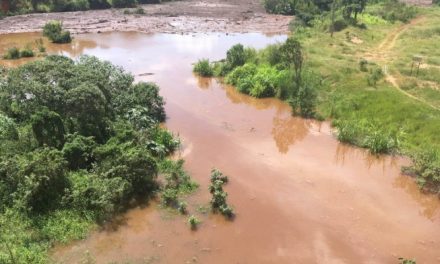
[394, 10]
[236, 56]
[380, 142]
[204, 68]
[193, 222]
[99, 4]
[182, 208]
[375, 75]
[123, 3]
[426, 166]
[53, 30]
[363, 65]
[27, 53]
[218, 201]
[339, 25]
[12, 54]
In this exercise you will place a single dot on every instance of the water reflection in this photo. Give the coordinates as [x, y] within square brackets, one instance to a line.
[287, 130]
[428, 202]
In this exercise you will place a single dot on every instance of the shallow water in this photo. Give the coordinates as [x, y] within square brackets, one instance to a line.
[300, 196]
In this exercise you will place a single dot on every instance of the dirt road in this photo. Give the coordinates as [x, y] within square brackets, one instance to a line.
[189, 16]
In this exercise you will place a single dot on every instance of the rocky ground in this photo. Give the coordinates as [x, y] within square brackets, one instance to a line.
[189, 16]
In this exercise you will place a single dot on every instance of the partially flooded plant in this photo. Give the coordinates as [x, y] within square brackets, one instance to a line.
[193, 222]
[219, 196]
[217, 175]
[203, 68]
[182, 208]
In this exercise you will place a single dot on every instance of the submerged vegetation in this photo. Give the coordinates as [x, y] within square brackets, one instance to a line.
[80, 143]
[219, 196]
[54, 31]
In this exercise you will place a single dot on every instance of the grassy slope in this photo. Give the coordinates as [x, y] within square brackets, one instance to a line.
[348, 95]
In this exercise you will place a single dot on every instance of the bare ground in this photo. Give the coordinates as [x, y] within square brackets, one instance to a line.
[188, 16]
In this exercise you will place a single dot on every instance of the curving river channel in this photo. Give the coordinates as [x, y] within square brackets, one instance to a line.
[300, 196]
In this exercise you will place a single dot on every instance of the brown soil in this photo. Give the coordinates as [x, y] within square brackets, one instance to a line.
[190, 16]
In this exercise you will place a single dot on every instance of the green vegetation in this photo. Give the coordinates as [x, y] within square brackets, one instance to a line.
[12, 54]
[204, 68]
[80, 143]
[178, 182]
[218, 201]
[193, 222]
[277, 71]
[45, 6]
[15, 53]
[53, 30]
[407, 261]
[384, 105]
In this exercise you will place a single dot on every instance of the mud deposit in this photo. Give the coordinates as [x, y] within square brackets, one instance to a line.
[300, 196]
[184, 17]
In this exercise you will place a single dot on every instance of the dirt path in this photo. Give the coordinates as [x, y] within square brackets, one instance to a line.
[188, 16]
[384, 54]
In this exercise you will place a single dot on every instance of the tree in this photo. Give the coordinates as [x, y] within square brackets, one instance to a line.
[292, 55]
[353, 8]
[48, 128]
[42, 179]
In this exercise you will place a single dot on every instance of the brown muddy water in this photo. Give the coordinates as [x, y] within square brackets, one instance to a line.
[300, 196]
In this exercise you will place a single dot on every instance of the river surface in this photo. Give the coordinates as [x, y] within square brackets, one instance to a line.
[300, 195]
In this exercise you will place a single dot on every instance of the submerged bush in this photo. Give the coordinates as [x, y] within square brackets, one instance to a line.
[426, 166]
[53, 30]
[12, 54]
[193, 222]
[203, 68]
[218, 201]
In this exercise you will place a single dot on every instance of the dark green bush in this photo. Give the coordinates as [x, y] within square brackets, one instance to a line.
[123, 3]
[394, 10]
[53, 30]
[426, 166]
[12, 54]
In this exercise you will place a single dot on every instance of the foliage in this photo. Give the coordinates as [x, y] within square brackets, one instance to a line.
[27, 53]
[80, 143]
[203, 68]
[368, 135]
[123, 3]
[53, 30]
[426, 166]
[394, 10]
[12, 54]
[218, 201]
[407, 261]
[375, 75]
[193, 222]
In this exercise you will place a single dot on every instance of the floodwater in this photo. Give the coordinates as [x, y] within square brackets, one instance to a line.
[300, 196]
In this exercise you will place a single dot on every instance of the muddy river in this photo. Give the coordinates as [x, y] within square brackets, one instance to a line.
[300, 196]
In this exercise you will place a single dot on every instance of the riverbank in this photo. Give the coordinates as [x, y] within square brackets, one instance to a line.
[181, 17]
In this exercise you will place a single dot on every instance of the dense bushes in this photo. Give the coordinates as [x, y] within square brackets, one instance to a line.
[276, 71]
[204, 68]
[426, 166]
[45, 6]
[80, 142]
[393, 10]
[53, 30]
[219, 196]
[368, 135]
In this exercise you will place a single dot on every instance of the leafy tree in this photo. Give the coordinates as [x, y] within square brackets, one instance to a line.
[78, 151]
[48, 128]
[42, 179]
[351, 8]
[292, 54]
